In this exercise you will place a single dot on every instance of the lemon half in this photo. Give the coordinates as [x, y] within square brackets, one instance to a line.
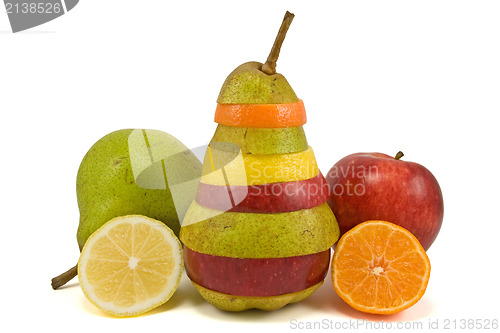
[131, 265]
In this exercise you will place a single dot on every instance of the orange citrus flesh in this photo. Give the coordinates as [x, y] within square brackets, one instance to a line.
[379, 267]
[261, 115]
[130, 265]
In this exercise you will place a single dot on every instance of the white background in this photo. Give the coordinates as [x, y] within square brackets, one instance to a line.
[418, 76]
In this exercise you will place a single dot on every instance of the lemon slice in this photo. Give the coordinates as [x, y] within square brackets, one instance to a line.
[237, 169]
[130, 265]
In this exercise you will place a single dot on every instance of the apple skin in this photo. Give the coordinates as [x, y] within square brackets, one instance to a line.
[256, 277]
[266, 198]
[376, 186]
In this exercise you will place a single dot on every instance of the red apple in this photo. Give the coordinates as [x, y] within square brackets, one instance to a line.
[267, 198]
[256, 277]
[375, 186]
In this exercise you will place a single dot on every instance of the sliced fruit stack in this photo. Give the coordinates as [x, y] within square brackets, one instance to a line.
[259, 233]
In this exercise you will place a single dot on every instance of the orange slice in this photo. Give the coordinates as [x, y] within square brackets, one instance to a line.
[130, 265]
[379, 267]
[261, 115]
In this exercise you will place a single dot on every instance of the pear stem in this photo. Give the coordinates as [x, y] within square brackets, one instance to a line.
[399, 155]
[270, 65]
[65, 277]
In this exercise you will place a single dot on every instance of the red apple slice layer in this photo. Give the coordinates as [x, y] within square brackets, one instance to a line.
[266, 198]
[256, 277]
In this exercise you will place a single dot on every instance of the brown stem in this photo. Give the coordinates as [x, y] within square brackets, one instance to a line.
[399, 155]
[65, 277]
[270, 66]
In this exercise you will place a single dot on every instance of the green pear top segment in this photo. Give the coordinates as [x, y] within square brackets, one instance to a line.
[248, 84]
[257, 83]
[126, 172]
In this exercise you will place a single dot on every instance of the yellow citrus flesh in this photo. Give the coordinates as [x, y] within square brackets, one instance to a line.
[130, 265]
[238, 169]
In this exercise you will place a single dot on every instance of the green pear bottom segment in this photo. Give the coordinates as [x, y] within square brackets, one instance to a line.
[256, 235]
[263, 140]
[233, 303]
[247, 84]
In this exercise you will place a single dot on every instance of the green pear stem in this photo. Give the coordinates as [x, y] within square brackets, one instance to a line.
[399, 155]
[269, 66]
[64, 278]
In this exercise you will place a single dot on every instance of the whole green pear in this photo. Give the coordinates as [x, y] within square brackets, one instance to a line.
[123, 174]
[134, 171]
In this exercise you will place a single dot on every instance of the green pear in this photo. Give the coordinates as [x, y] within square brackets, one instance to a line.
[135, 171]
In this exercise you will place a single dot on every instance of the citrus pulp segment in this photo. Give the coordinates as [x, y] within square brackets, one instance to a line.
[279, 115]
[228, 168]
[130, 265]
[379, 267]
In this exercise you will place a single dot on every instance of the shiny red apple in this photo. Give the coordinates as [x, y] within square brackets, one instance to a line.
[376, 186]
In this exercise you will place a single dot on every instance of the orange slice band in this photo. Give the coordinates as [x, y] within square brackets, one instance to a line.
[261, 115]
